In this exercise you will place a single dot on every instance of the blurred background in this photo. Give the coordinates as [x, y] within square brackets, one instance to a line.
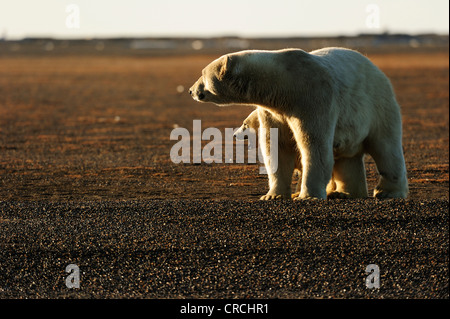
[244, 18]
[205, 25]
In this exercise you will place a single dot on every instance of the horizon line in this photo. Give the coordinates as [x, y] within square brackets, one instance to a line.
[224, 36]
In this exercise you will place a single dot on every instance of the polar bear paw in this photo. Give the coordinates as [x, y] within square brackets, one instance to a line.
[338, 195]
[307, 198]
[273, 197]
[384, 194]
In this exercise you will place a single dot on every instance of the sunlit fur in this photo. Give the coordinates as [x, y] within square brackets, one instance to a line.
[337, 104]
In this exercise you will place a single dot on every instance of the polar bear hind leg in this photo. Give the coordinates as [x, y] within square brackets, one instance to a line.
[388, 157]
[349, 177]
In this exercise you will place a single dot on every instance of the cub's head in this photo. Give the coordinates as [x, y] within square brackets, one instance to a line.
[219, 83]
[248, 129]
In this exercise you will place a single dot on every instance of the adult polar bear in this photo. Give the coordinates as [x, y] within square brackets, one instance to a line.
[338, 105]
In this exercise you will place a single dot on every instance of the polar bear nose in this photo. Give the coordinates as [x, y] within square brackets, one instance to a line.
[196, 93]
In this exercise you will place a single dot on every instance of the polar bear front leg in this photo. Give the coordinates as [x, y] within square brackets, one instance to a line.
[317, 166]
[279, 164]
[280, 180]
[317, 160]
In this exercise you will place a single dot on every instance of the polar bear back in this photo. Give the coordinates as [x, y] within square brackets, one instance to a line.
[363, 96]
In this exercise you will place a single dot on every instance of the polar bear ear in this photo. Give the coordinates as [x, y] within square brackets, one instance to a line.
[225, 67]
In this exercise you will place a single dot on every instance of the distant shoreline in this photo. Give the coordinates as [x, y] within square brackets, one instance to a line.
[219, 45]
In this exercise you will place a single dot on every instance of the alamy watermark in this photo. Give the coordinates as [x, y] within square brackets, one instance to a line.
[373, 16]
[73, 280]
[73, 16]
[221, 150]
[373, 279]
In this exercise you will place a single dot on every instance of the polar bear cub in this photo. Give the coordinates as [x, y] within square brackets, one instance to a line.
[338, 105]
[250, 127]
[288, 155]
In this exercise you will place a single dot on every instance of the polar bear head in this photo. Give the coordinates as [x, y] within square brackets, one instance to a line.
[249, 129]
[237, 78]
[212, 85]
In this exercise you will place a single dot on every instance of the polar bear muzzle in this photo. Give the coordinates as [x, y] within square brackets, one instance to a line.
[197, 91]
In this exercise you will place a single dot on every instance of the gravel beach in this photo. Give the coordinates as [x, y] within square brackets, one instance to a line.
[225, 249]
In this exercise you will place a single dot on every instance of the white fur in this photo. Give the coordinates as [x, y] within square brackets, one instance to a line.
[338, 107]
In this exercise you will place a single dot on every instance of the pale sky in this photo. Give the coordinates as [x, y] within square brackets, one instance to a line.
[204, 18]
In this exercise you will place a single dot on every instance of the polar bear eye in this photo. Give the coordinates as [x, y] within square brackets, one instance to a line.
[209, 85]
[206, 84]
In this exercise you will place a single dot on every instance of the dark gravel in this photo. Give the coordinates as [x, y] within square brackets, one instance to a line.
[225, 249]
